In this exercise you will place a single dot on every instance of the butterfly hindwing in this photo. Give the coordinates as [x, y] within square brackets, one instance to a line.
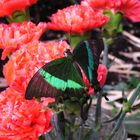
[84, 57]
[54, 79]
[87, 55]
[97, 46]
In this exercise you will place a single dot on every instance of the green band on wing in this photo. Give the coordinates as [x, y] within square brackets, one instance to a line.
[59, 83]
[90, 60]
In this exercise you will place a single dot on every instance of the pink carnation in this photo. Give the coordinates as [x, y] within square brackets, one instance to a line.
[77, 19]
[16, 34]
[21, 119]
[130, 8]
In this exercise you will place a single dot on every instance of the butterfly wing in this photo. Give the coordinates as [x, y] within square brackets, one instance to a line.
[54, 79]
[87, 55]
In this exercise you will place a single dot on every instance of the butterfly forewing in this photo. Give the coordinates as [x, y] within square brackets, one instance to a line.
[54, 79]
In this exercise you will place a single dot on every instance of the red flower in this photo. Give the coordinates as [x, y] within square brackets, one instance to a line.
[102, 72]
[76, 19]
[23, 64]
[21, 119]
[9, 6]
[16, 34]
[130, 8]
[95, 3]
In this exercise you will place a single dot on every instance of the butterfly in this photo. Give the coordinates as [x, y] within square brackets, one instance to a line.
[62, 76]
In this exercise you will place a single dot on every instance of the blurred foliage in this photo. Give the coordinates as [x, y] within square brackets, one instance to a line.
[132, 83]
[132, 123]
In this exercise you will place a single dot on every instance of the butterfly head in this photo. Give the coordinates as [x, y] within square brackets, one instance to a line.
[68, 53]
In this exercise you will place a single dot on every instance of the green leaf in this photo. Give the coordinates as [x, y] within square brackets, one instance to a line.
[18, 16]
[114, 25]
[132, 123]
[75, 39]
[134, 81]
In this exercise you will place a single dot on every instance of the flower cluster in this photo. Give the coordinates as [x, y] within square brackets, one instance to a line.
[21, 119]
[12, 36]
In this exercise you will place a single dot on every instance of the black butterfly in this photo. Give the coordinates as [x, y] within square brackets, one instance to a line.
[63, 76]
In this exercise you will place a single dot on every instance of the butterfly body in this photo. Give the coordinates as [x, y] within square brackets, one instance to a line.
[62, 76]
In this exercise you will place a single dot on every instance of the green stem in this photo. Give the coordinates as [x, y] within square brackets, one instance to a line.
[117, 126]
[99, 99]
[105, 56]
[122, 115]
[98, 113]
